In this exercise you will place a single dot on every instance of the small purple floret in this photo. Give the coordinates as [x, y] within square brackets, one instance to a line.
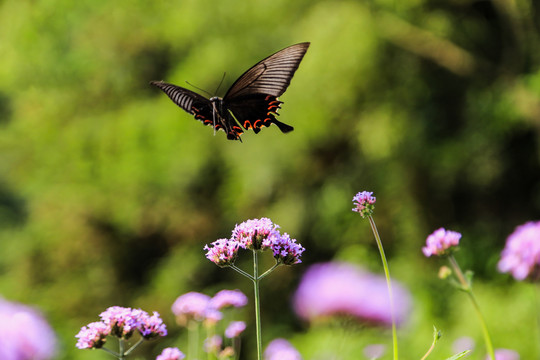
[286, 250]
[234, 329]
[152, 326]
[441, 242]
[226, 298]
[281, 349]
[171, 353]
[521, 254]
[364, 203]
[222, 252]
[93, 335]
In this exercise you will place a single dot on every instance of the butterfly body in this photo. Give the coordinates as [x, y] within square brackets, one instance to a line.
[251, 102]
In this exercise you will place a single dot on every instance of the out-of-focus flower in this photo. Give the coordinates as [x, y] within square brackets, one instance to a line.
[212, 316]
[334, 288]
[441, 242]
[234, 329]
[364, 203]
[190, 306]
[212, 344]
[521, 255]
[171, 353]
[286, 250]
[463, 343]
[121, 320]
[281, 349]
[226, 298]
[222, 252]
[151, 326]
[504, 354]
[374, 351]
[255, 234]
[24, 333]
[93, 335]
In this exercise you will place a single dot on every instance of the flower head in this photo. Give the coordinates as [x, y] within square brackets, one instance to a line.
[151, 326]
[504, 354]
[24, 333]
[334, 289]
[374, 351]
[171, 354]
[255, 234]
[121, 320]
[281, 349]
[234, 329]
[441, 242]
[93, 335]
[222, 252]
[226, 298]
[190, 306]
[521, 255]
[364, 203]
[286, 250]
[212, 344]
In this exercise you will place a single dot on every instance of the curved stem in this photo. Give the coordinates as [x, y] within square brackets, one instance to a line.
[388, 284]
[242, 272]
[267, 272]
[468, 289]
[134, 346]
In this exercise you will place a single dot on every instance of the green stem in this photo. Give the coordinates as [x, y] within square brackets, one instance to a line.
[267, 272]
[468, 289]
[256, 280]
[388, 284]
[134, 346]
[193, 339]
[121, 349]
[242, 272]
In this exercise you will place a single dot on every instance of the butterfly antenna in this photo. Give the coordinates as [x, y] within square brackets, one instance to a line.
[221, 82]
[198, 88]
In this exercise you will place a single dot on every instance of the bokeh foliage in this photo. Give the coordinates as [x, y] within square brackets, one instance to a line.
[108, 191]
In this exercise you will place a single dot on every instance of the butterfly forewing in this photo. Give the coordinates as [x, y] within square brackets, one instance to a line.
[270, 76]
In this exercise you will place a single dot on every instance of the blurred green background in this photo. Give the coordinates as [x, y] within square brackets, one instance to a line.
[108, 191]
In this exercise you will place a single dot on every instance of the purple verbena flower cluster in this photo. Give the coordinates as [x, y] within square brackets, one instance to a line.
[171, 353]
[194, 306]
[341, 289]
[120, 322]
[364, 203]
[255, 234]
[441, 242]
[234, 329]
[521, 254]
[24, 333]
[281, 349]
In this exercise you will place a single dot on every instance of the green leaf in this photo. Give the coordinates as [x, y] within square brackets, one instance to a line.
[459, 356]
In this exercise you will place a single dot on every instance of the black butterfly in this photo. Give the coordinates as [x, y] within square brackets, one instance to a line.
[252, 101]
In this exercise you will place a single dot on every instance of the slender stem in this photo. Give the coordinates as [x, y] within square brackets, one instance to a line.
[242, 272]
[267, 272]
[256, 280]
[116, 355]
[134, 346]
[468, 289]
[121, 349]
[388, 283]
[193, 339]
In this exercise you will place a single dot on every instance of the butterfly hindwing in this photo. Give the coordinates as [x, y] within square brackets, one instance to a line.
[256, 111]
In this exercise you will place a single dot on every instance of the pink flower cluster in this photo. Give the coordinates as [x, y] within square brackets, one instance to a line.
[441, 242]
[194, 306]
[120, 322]
[521, 255]
[255, 234]
[364, 203]
[342, 289]
[24, 333]
[171, 353]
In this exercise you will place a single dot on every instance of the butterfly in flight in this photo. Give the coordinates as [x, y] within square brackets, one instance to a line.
[251, 102]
